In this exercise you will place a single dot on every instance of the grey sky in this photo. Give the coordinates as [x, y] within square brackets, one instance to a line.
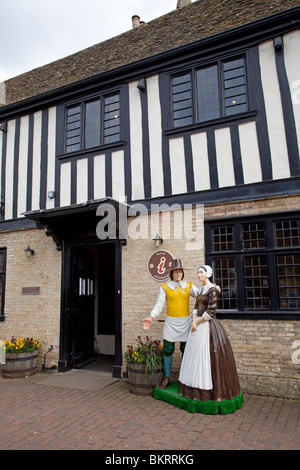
[37, 32]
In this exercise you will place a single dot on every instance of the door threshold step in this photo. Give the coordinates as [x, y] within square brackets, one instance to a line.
[84, 363]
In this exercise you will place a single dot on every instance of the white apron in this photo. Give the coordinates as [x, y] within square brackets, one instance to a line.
[195, 368]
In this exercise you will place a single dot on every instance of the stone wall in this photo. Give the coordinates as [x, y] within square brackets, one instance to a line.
[32, 315]
[253, 207]
[139, 290]
[266, 351]
[263, 352]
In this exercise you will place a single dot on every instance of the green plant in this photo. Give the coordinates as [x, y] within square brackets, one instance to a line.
[148, 352]
[21, 345]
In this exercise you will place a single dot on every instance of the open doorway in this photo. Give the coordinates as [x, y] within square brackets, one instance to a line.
[105, 318]
[99, 276]
[91, 313]
[73, 231]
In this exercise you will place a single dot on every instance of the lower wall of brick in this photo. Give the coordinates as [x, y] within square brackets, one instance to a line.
[32, 315]
[267, 352]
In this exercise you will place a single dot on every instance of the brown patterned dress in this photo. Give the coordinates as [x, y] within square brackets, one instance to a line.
[217, 361]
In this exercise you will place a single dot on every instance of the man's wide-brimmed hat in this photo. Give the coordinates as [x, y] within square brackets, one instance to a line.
[176, 264]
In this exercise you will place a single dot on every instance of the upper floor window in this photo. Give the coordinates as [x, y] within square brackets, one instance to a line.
[256, 262]
[91, 123]
[211, 92]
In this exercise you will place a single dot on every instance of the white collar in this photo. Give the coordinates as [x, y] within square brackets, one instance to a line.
[173, 284]
[206, 288]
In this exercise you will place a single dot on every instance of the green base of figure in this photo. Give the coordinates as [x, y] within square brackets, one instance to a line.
[171, 395]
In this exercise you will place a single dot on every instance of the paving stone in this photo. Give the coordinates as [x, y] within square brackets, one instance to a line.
[35, 416]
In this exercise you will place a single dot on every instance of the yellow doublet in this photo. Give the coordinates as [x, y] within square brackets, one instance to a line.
[178, 300]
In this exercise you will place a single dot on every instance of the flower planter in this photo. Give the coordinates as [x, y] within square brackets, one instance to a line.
[20, 365]
[140, 382]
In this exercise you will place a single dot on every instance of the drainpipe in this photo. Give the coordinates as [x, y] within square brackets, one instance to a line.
[44, 367]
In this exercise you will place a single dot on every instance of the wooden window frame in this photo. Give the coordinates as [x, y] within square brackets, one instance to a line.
[270, 252]
[192, 71]
[82, 105]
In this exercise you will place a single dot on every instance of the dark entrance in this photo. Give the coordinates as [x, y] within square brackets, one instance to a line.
[91, 303]
[83, 306]
[91, 274]
[92, 296]
[106, 318]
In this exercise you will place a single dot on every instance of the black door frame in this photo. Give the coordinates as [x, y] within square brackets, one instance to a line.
[76, 226]
[66, 357]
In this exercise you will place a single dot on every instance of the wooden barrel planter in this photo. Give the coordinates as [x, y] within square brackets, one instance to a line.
[140, 382]
[20, 365]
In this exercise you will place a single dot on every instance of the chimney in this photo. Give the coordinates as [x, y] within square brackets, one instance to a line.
[135, 21]
[2, 93]
[183, 3]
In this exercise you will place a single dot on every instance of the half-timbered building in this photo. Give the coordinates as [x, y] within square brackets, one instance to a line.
[186, 127]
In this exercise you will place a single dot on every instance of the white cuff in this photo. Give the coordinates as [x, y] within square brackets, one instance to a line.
[206, 316]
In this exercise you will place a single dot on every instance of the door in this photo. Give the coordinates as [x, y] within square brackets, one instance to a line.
[79, 305]
[83, 306]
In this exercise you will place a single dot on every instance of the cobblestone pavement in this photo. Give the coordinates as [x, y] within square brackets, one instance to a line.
[41, 417]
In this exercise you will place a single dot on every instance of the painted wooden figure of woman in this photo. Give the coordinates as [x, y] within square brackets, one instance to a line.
[208, 370]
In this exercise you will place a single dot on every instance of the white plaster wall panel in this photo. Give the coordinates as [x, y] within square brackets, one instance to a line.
[82, 181]
[292, 64]
[274, 113]
[99, 177]
[9, 169]
[177, 164]
[250, 153]
[200, 161]
[65, 184]
[155, 137]
[118, 183]
[36, 160]
[136, 142]
[23, 165]
[51, 156]
[224, 157]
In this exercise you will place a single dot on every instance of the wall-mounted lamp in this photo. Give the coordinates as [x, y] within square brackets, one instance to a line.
[157, 240]
[51, 194]
[29, 251]
[3, 127]
[141, 84]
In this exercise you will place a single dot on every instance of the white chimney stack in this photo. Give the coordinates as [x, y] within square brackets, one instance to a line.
[183, 3]
[135, 21]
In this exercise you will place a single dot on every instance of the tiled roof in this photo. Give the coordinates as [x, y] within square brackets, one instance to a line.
[196, 21]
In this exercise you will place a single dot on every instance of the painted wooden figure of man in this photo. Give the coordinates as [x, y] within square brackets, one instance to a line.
[177, 326]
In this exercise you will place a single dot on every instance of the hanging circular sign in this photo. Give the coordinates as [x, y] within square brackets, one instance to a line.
[159, 265]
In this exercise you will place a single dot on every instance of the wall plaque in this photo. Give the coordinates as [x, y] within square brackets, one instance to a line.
[31, 290]
[159, 265]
